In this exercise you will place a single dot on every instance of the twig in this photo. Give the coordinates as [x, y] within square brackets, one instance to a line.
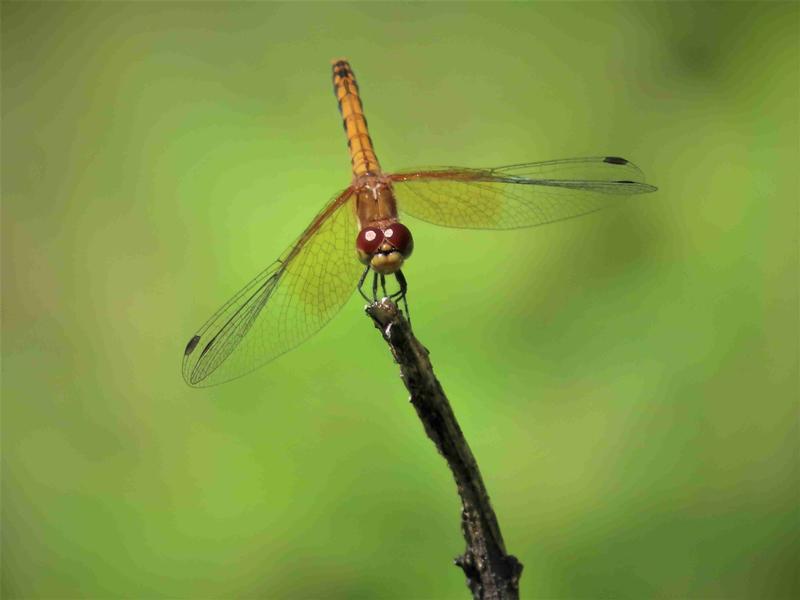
[492, 574]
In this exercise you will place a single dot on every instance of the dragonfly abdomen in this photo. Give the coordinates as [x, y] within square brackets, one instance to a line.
[362, 153]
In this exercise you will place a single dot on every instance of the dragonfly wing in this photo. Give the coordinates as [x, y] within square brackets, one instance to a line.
[284, 305]
[514, 196]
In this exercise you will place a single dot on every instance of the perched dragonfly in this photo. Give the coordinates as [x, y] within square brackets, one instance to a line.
[359, 233]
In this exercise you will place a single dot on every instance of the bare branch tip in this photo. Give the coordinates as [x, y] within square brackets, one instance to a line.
[383, 312]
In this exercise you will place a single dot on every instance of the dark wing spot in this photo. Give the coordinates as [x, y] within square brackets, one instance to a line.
[615, 160]
[191, 345]
[208, 346]
[624, 181]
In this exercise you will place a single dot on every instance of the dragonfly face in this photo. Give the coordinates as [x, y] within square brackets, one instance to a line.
[299, 293]
[385, 250]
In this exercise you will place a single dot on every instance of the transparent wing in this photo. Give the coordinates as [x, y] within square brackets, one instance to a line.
[284, 305]
[515, 196]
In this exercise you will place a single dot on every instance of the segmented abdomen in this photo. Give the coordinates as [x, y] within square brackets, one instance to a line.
[362, 154]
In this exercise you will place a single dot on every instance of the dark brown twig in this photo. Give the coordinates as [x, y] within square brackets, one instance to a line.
[491, 572]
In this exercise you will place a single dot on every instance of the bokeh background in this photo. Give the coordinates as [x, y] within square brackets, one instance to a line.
[628, 381]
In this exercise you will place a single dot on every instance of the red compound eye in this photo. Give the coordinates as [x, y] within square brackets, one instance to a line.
[399, 236]
[367, 243]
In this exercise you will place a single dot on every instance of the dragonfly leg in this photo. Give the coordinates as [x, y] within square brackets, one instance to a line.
[361, 284]
[383, 285]
[401, 295]
[401, 281]
[375, 287]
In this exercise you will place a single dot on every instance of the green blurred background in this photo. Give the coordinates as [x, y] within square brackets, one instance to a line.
[628, 381]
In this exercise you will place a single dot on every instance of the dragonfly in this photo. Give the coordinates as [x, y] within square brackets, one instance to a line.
[359, 233]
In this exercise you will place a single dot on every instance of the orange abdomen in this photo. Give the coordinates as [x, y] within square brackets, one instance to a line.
[362, 154]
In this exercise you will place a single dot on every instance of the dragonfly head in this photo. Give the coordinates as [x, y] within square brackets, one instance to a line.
[384, 249]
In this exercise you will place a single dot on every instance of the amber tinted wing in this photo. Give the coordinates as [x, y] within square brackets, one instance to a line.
[515, 196]
[284, 305]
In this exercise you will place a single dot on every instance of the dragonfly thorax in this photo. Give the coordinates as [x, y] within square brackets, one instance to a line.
[375, 201]
[385, 249]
